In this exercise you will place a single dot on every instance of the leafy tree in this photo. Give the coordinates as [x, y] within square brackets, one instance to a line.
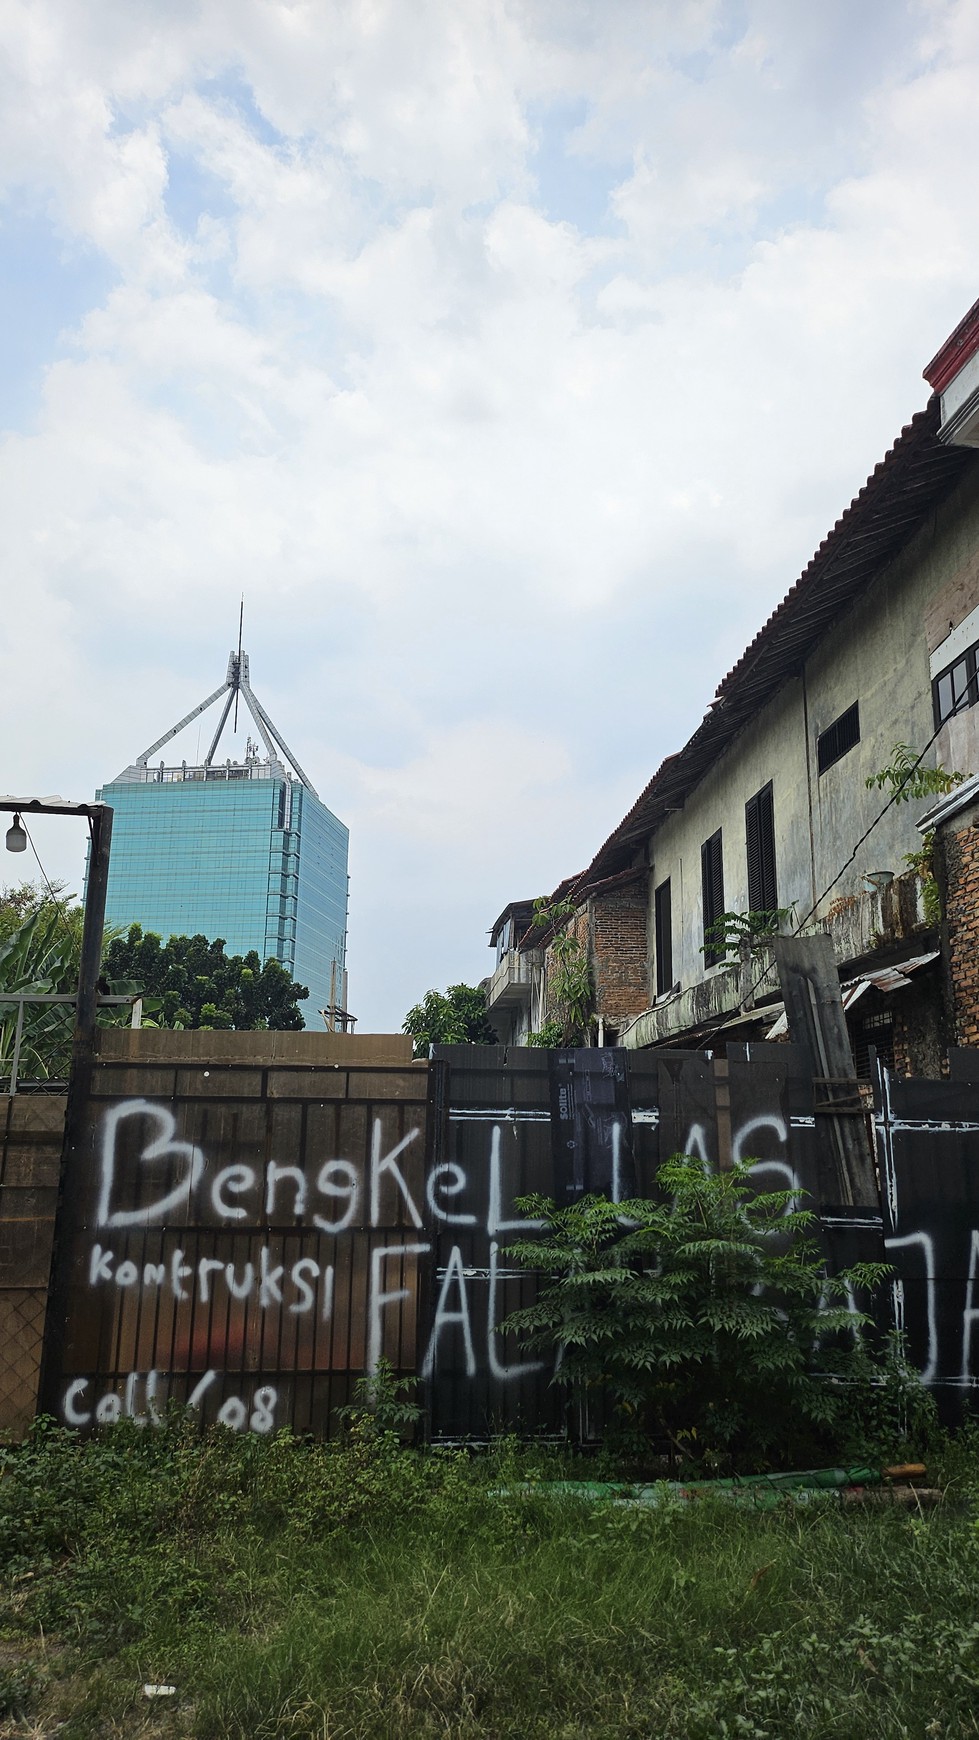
[551, 1034]
[907, 781]
[20, 901]
[40, 954]
[453, 1017]
[706, 1316]
[198, 985]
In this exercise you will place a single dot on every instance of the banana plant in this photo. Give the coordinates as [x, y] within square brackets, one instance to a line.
[41, 958]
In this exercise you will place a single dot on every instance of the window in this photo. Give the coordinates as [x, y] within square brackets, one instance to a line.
[712, 875]
[759, 827]
[876, 1031]
[956, 687]
[664, 938]
[834, 742]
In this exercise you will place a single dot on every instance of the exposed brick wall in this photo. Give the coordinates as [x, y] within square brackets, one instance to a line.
[919, 1047]
[619, 953]
[961, 854]
[612, 927]
[578, 927]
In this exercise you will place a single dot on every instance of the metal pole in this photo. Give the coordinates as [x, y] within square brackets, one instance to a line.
[93, 927]
[70, 1199]
[18, 1034]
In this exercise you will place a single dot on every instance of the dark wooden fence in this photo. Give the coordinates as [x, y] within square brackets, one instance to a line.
[252, 1228]
[249, 1222]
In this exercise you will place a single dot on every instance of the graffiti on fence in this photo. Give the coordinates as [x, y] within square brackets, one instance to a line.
[252, 1252]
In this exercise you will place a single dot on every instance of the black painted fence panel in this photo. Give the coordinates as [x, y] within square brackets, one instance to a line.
[254, 1237]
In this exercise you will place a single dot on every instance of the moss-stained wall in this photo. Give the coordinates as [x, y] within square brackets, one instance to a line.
[878, 656]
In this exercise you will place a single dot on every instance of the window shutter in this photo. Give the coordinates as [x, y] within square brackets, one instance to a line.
[759, 821]
[664, 938]
[712, 877]
[838, 738]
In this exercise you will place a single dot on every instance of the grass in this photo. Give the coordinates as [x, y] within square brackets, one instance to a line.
[355, 1591]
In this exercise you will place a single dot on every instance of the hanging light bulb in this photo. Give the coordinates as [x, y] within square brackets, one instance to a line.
[16, 836]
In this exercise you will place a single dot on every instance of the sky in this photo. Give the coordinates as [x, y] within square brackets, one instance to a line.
[510, 357]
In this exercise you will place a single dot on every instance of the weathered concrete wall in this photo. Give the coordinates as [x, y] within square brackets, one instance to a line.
[878, 655]
[860, 926]
[774, 750]
[31, 1132]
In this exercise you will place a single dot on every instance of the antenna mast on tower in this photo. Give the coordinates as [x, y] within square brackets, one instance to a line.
[235, 683]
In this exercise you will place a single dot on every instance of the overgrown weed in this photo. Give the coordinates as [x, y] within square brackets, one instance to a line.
[360, 1589]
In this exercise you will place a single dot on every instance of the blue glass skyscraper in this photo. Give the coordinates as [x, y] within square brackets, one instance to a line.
[240, 850]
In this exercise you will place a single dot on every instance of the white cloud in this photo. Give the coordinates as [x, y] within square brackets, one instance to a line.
[506, 494]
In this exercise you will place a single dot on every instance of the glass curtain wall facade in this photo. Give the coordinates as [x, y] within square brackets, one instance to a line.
[244, 852]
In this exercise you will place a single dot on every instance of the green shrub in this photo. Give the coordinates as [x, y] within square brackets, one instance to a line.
[706, 1316]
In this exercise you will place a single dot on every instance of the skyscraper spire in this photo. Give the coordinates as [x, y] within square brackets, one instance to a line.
[235, 683]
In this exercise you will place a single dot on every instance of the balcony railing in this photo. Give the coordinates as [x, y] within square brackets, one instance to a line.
[860, 926]
[513, 981]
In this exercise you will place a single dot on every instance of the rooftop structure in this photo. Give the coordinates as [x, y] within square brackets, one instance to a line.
[243, 850]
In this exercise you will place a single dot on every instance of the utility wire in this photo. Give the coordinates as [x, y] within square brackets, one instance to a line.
[49, 885]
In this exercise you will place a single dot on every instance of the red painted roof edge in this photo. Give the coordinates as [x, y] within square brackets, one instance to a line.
[955, 352]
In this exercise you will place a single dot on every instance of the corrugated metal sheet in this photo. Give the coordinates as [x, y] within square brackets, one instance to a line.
[893, 978]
